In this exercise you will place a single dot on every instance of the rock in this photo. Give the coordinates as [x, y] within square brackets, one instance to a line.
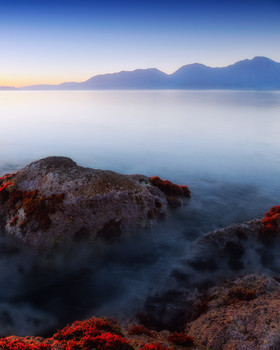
[234, 248]
[209, 260]
[219, 240]
[241, 315]
[54, 200]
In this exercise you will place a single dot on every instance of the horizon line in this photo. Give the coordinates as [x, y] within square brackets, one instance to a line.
[8, 87]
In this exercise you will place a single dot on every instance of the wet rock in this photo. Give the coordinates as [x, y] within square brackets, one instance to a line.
[242, 314]
[235, 237]
[54, 200]
[227, 249]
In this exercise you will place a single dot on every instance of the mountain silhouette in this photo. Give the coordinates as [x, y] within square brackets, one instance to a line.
[259, 73]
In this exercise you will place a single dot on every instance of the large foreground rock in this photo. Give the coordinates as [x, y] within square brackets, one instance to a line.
[54, 200]
[243, 314]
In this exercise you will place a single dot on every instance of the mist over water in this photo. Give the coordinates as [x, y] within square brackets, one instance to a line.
[224, 145]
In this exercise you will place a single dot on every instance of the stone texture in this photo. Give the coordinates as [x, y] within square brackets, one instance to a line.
[54, 200]
[243, 314]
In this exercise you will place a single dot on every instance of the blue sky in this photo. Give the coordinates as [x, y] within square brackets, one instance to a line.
[55, 41]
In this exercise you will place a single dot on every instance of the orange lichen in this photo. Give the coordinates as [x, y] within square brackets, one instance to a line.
[272, 219]
[139, 330]
[169, 188]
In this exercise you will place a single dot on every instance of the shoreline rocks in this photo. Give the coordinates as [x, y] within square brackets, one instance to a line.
[54, 200]
[241, 314]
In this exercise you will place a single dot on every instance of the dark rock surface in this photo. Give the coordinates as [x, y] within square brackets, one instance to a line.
[54, 200]
[242, 314]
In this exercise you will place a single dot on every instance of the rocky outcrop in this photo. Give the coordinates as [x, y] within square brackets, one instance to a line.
[242, 249]
[239, 247]
[54, 200]
[240, 315]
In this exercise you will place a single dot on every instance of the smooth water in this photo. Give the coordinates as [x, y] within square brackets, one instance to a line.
[224, 145]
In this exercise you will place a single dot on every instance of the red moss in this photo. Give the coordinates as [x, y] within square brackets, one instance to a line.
[272, 219]
[181, 339]
[7, 184]
[36, 206]
[104, 341]
[7, 177]
[93, 326]
[155, 346]
[95, 333]
[101, 334]
[169, 188]
[139, 330]
[18, 344]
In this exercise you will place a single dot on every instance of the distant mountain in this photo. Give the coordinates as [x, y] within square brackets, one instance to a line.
[7, 88]
[136, 80]
[260, 73]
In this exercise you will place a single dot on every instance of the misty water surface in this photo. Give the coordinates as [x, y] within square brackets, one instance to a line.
[224, 145]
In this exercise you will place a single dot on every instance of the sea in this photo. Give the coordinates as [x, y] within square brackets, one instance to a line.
[224, 145]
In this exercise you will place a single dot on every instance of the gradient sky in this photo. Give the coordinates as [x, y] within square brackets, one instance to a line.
[54, 41]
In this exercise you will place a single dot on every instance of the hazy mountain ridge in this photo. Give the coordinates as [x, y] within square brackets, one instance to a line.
[259, 73]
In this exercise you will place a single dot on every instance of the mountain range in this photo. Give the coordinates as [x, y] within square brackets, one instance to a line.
[259, 73]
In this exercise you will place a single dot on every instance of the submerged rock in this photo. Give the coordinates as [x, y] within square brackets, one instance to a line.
[54, 200]
[241, 247]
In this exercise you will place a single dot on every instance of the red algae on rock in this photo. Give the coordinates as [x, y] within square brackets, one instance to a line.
[169, 188]
[101, 334]
[5, 186]
[18, 344]
[174, 193]
[271, 222]
[36, 207]
[7, 177]
[181, 339]
[138, 330]
[155, 346]
[98, 334]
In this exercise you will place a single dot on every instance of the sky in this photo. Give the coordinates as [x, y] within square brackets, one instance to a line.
[57, 40]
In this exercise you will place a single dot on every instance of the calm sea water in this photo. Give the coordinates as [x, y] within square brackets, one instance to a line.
[224, 145]
[198, 138]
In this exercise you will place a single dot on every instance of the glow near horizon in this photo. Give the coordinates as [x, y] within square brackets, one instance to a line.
[73, 41]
